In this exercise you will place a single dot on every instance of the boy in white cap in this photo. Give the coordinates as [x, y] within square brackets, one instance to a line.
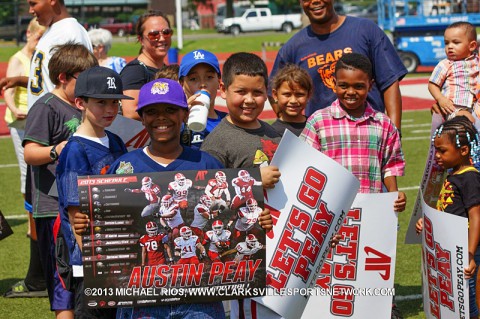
[90, 151]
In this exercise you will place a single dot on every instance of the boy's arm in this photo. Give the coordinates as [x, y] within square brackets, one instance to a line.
[473, 238]
[129, 107]
[37, 154]
[393, 103]
[11, 82]
[445, 105]
[72, 213]
[391, 185]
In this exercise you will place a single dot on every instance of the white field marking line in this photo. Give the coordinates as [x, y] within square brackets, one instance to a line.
[420, 131]
[23, 216]
[8, 165]
[416, 125]
[407, 120]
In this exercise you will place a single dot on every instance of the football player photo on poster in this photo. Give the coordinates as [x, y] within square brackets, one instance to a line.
[173, 237]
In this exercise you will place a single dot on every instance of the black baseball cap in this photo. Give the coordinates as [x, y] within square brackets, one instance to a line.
[100, 83]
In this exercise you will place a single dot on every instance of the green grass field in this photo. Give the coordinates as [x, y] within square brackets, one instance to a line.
[250, 43]
[14, 250]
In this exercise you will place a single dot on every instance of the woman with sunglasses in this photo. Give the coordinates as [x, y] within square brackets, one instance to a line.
[155, 36]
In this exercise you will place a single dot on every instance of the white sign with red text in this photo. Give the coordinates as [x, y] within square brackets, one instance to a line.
[132, 132]
[444, 257]
[358, 274]
[308, 206]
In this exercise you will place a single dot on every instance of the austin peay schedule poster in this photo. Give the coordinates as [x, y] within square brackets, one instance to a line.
[171, 237]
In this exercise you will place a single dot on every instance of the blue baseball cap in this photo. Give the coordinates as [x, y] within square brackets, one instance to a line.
[162, 91]
[193, 58]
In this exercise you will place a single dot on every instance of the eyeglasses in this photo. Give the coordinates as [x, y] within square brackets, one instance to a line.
[73, 76]
[155, 35]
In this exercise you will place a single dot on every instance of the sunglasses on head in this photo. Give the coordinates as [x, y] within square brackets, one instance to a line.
[155, 35]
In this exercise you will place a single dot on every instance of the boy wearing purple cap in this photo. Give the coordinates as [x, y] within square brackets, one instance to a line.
[199, 70]
[90, 151]
[163, 109]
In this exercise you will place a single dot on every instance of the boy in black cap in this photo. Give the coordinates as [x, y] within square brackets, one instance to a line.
[90, 151]
[50, 122]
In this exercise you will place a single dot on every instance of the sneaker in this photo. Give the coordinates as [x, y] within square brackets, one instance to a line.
[396, 314]
[20, 290]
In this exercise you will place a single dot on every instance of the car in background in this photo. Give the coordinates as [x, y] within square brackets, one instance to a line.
[15, 28]
[117, 27]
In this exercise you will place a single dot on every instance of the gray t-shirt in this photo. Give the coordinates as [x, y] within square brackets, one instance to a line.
[236, 147]
[50, 121]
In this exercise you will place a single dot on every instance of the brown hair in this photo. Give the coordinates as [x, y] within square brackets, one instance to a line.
[141, 21]
[168, 72]
[69, 58]
[243, 63]
[292, 73]
[470, 30]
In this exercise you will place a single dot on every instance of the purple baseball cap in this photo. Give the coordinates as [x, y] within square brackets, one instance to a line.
[193, 58]
[162, 91]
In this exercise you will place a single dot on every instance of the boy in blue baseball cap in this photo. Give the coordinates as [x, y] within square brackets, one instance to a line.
[199, 70]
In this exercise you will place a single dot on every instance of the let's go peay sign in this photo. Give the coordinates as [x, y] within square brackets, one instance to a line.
[308, 205]
[444, 257]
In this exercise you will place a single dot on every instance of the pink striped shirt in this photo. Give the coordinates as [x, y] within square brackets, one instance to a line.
[458, 80]
[368, 146]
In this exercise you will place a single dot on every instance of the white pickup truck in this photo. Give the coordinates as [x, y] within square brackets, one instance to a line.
[260, 19]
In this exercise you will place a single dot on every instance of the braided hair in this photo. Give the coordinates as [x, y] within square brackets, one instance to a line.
[461, 132]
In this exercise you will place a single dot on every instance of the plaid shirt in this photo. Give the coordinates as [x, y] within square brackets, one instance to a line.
[458, 80]
[368, 146]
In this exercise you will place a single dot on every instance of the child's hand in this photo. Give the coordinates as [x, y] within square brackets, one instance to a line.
[191, 100]
[446, 105]
[419, 225]
[470, 270]
[270, 176]
[335, 240]
[80, 223]
[400, 203]
[265, 220]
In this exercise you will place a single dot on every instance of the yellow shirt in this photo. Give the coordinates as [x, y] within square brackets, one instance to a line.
[20, 95]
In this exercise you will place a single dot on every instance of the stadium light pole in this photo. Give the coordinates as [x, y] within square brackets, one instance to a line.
[178, 5]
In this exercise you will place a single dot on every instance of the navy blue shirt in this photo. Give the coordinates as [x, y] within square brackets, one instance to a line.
[318, 54]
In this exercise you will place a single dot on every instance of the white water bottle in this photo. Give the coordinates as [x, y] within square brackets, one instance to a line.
[197, 119]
